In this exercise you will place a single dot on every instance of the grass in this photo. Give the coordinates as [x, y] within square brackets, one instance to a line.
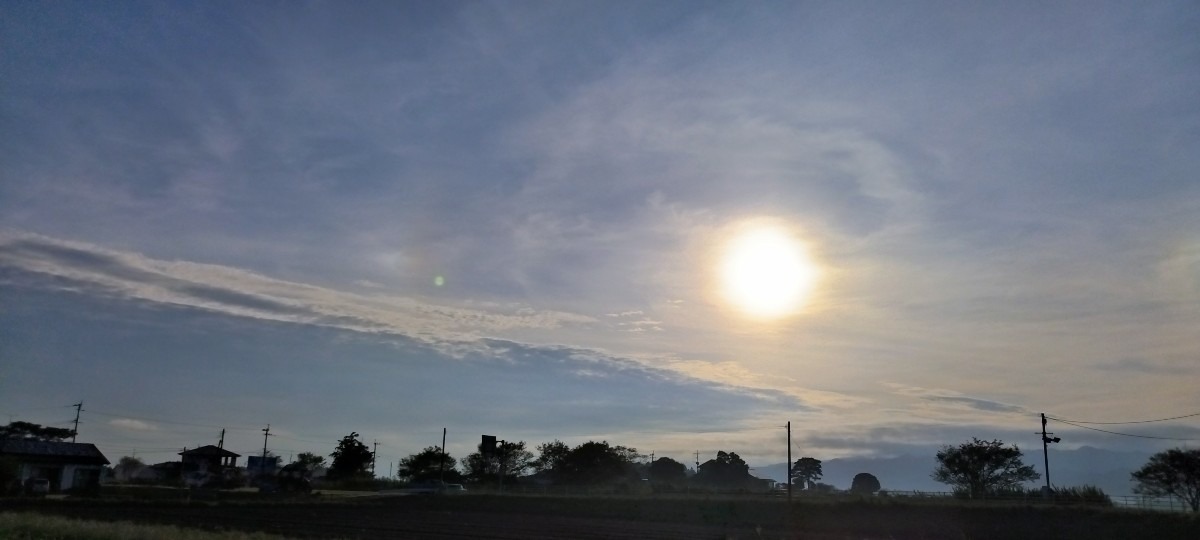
[30, 526]
[862, 517]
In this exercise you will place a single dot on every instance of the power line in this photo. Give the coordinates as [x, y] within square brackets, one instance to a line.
[1123, 434]
[1119, 423]
[35, 409]
[301, 440]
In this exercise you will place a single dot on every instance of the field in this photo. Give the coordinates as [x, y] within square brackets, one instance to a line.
[526, 517]
[30, 526]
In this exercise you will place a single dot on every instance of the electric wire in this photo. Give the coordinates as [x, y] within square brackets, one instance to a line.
[1120, 423]
[1123, 434]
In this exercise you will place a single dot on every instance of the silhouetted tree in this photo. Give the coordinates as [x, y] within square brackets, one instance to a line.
[726, 470]
[550, 456]
[864, 483]
[515, 459]
[981, 467]
[351, 459]
[823, 488]
[667, 471]
[597, 463]
[1174, 472]
[310, 461]
[37, 432]
[127, 468]
[428, 465]
[806, 471]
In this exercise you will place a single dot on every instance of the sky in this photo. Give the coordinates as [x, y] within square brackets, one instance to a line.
[511, 218]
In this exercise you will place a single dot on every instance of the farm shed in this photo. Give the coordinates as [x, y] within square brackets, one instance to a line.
[207, 459]
[66, 465]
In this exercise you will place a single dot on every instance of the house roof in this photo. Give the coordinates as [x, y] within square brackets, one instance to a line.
[65, 451]
[209, 450]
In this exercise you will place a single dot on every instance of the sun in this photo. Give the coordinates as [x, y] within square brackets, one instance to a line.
[765, 272]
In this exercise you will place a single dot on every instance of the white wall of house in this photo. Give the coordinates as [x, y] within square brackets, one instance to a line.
[80, 476]
[66, 473]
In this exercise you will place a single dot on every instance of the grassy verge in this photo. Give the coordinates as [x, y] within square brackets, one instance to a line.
[30, 526]
[865, 518]
[852, 518]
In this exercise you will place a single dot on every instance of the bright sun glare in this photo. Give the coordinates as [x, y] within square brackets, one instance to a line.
[766, 273]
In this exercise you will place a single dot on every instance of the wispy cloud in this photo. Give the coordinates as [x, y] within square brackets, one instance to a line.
[547, 184]
[1142, 365]
[454, 332]
[132, 425]
[956, 398]
[242, 293]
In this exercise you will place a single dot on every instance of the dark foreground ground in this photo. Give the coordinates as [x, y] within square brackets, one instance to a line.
[514, 517]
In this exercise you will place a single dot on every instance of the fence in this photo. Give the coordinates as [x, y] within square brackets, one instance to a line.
[1140, 502]
[1165, 504]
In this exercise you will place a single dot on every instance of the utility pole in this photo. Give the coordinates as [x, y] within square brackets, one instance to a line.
[697, 461]
[221, 443]
[789, 474]
[374, 452]
[503, 454]
[262, 467]
[78, 407]
[1046, 440]
[442, 471]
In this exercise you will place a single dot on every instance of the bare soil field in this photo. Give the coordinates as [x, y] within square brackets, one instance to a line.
[493, 517]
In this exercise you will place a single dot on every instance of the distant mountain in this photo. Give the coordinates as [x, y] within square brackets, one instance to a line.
[1107, 469]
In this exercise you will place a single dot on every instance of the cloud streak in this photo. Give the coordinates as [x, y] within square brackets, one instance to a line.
[242, 293]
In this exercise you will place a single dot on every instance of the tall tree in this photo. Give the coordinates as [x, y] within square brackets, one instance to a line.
[512, 456]
[597, 463]
[1174, 472]
[665, 470]
[351, 458]
[36, 432]
[806, 471]
[428, 465]
[726, 470]
[980, 467]
[550, 456]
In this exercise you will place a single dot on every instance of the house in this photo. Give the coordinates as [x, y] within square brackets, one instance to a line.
[208, 459]
[67, 466]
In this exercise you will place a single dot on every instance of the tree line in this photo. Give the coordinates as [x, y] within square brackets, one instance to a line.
[977, 468]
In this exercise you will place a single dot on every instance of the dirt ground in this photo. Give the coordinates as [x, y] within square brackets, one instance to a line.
[369, 522]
